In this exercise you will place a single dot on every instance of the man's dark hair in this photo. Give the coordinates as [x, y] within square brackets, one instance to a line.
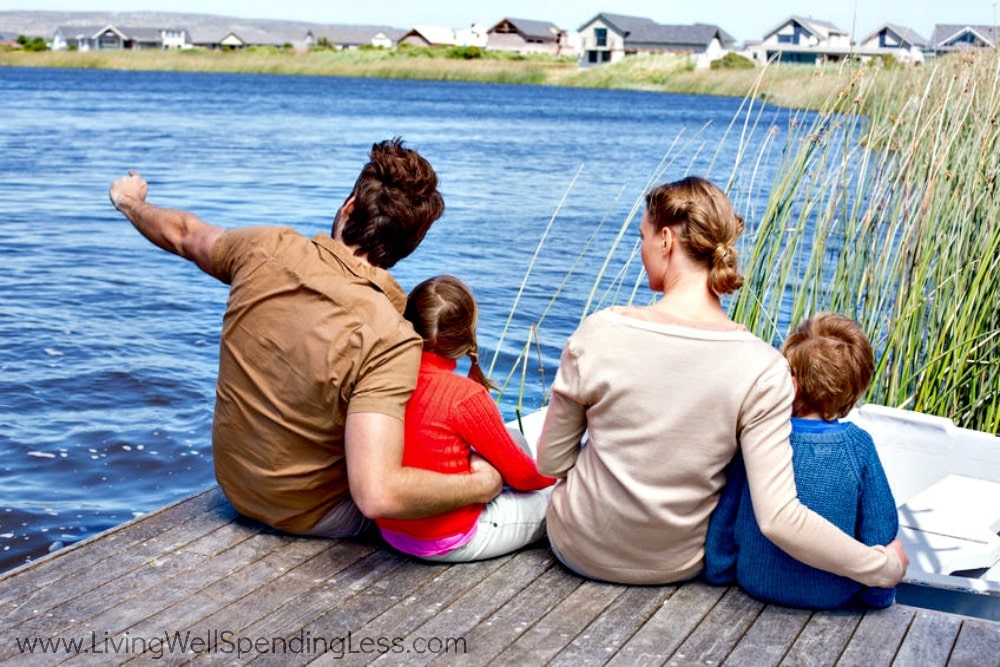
[395, 202]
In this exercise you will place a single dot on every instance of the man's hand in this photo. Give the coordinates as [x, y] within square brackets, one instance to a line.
[492, 480]
[132, 186]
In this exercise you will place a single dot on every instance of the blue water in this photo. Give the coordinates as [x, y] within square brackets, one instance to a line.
[108, 346]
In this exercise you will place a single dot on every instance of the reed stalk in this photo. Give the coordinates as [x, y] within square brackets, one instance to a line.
[883, 206]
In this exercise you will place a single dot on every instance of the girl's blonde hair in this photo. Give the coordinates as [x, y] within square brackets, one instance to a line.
[443, 312]
[708, 227]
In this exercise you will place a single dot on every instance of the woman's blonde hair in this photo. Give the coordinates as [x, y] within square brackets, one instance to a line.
[443, 312]
[708, 227]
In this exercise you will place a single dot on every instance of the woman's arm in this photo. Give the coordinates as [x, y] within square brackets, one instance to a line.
[803, 534]
[565, 419]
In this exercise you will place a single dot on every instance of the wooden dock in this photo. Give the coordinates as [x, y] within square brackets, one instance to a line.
[194, 583]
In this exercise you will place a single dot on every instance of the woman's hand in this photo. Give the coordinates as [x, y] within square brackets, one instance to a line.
[897, 546]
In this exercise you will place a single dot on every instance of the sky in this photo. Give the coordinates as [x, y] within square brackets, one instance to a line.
[744, 19]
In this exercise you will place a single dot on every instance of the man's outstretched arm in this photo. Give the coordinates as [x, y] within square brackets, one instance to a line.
[382, 487]
[179, 232]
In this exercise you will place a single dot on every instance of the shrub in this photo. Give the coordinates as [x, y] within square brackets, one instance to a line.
[732, 61]
[32, 43]
[465, 52]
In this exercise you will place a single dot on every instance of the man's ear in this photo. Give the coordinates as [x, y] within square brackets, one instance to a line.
[346, 209]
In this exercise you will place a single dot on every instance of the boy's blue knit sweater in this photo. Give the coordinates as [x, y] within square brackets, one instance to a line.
[838, 475]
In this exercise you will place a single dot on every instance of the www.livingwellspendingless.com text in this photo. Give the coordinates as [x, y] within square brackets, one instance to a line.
[227, 642]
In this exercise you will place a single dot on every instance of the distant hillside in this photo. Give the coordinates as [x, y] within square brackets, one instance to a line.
[43, 24]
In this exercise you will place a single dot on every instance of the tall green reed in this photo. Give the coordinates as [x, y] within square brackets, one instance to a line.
[883, 206]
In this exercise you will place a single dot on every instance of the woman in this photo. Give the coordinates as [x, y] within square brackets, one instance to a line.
[666, 394]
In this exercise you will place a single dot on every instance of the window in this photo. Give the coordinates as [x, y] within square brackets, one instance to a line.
[592, 56]
[601, 35]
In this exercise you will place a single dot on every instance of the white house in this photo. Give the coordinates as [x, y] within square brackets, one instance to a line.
[802, 40]
[608, 38]
[431, 35]
[902, 43]
[110, 37]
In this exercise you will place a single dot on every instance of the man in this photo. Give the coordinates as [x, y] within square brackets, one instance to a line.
[316, 362]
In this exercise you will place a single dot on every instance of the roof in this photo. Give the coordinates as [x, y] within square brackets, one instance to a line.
[530, 28]
[905, 34]
[638, 30]
[80, 31]
[815, 26]
[946, 32]
[432, 34]
[353, 35]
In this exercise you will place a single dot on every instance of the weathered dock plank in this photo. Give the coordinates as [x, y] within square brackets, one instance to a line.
[666, 630]
[769, 639]
[472, 606]
[557, 629]
[39, 586]
[604, 637]
[194, 584]
[491, 637]
[822, 640]
[978, 641]
[929, 639]
[877, 637]
[716, 635]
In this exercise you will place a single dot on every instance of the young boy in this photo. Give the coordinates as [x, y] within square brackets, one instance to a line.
[837, 473]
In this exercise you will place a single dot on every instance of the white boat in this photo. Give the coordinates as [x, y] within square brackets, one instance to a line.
[946, 481]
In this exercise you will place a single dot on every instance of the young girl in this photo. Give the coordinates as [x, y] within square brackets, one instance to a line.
[447, 418]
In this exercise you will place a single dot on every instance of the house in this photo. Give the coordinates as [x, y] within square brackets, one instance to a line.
[78, 37]
[903, 44]
[948, 38]
[430, 35]
[110, 37]
[802, 40]
[526, 36]
[611, 37]
[355, 36]
[245, 36]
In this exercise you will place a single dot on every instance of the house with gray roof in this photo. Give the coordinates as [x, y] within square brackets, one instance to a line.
[948, 38]
[798, 39]
[608, 38]
[902, 43]
[110, 37]
[356, 36]
[526, 36]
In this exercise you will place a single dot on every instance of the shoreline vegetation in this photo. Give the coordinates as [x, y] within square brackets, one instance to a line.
[883, 206]
[793, 86]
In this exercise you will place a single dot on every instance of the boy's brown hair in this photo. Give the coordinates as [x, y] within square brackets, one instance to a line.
[832, 363]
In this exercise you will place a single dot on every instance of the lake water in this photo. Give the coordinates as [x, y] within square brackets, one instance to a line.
[108, 345]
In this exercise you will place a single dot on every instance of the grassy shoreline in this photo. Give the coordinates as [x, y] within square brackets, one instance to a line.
[790, 86]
